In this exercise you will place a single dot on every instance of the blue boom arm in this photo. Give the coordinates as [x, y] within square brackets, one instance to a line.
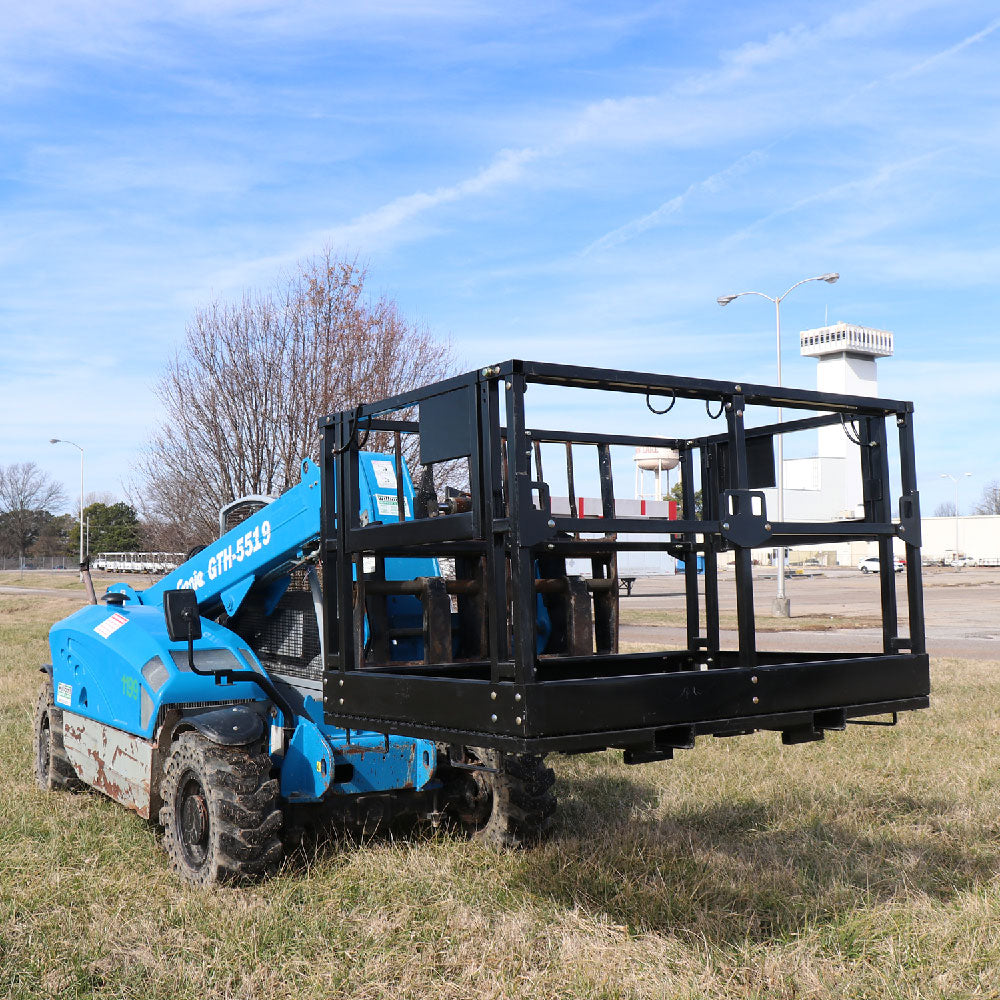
[260, 549]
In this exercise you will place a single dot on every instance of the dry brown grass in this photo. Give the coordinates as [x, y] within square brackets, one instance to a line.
[69, 580]
[862, 867]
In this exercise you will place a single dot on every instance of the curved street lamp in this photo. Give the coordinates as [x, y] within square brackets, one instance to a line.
[782, 605]
[75, 445]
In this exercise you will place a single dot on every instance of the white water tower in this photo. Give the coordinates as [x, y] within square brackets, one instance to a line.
[648, 458]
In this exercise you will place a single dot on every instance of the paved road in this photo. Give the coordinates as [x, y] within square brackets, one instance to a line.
[961, 608]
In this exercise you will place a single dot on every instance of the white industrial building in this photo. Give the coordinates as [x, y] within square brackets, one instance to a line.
[827, 486]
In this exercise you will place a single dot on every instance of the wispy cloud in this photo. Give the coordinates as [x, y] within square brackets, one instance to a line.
[709, 185]
[866, 184]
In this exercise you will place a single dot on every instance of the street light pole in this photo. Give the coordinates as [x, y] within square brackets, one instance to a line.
[75, 445]
[955, 480]
[782, 605]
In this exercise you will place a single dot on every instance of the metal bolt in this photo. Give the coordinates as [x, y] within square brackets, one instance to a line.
[739, 388]
[739, 413]
[517, 697]
[341, 682]
[517, 721]
[508, 384]
[551, 523]
[493, 717]
[729, 406]
[493, 696]
[753, 680]
[236, 729]
[767, 527]
[341, 701]
[756, 700]
[527, 433]
[550, 546]
[902, 530]
[725, 525]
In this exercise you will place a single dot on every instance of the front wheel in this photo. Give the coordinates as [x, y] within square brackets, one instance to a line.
[220, 816]
[509, 803]
[53, 770]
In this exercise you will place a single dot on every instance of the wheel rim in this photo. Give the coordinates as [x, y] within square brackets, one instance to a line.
[194, 824]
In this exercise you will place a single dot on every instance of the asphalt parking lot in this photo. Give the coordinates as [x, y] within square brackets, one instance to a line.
[961, 607]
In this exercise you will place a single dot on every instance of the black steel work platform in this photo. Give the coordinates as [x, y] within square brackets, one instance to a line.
[520, 644]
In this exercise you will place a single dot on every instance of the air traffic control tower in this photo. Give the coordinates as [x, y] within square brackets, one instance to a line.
[846, 356]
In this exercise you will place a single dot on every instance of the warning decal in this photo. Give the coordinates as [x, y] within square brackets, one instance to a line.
[64, 694]
[110, 625]
[385, 474]
[389, 506]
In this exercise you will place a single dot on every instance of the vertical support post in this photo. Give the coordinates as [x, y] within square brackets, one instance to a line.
[520, 510]
[691, 603]
[607, 481]
[347, 518]
[710, 490]
[910, 497]
[493, 472]
[400, 496]
[570, 482]
[874, 455]
[744, 556]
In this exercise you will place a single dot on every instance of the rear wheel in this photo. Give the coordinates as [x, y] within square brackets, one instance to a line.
[509, 804]
[53, 770]
[220, 815]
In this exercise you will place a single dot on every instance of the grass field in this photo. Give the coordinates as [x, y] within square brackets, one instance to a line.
[863, 867]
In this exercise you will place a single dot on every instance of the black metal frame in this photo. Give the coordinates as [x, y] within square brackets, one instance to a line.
[481, 681]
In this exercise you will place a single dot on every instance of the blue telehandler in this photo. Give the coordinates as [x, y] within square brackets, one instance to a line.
[359, 648]
[196, 702]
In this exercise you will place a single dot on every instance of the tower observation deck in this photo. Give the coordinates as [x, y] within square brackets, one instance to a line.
[846, 356]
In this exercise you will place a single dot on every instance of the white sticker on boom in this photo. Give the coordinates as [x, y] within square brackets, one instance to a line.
[64, 694]
[385, 474]
[110, 625]
[390, 506]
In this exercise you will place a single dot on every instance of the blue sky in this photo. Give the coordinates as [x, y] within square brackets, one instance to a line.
[562, 181]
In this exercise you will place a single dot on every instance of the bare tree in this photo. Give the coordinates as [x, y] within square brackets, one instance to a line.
[25, 492]
[244, 393]
[946, 509]
[990, 501]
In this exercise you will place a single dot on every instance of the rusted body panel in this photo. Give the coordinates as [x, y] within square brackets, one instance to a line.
[113, 762]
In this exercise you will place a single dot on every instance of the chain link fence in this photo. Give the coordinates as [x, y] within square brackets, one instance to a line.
[47, 563]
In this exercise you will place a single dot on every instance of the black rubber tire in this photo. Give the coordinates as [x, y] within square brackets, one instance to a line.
[510, 808]
[53, 770]
[221, 814]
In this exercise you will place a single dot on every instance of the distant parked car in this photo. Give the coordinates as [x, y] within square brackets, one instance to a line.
[959, 561]
[871, 564]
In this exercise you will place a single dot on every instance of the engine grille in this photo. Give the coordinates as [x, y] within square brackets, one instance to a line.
[287, 640]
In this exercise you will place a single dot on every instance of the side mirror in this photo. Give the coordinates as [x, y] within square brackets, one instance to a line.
[180, 608]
